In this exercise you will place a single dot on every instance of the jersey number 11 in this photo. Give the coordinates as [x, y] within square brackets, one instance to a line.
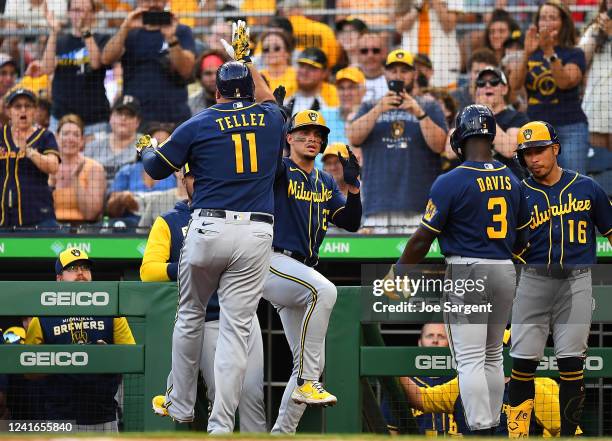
[250, 137]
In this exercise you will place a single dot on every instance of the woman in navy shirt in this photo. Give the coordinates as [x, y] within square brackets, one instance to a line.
[551, 72]
[28, 155]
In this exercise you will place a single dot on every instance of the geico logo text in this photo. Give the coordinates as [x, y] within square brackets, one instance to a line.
[72, 298]
[54, 358]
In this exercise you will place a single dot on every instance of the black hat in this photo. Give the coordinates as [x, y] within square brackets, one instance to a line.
[357, 23]
[127, 102]
[423, 60]
[313, 56]
[16, 93]
[495, 71]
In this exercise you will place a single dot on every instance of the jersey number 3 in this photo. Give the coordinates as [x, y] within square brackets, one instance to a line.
[250, 137]
[500, 209]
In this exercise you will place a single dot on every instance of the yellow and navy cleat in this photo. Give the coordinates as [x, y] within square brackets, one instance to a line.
[312, 393]
[159, 405]
[519, 418]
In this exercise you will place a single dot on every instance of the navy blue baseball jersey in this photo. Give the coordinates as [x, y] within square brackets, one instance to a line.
[304, 205]
[26, 196]
[177, 220]
[233, 150]
[476, 210]
[563, 219]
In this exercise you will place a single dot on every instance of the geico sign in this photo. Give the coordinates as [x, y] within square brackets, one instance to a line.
[434, 362]
[54, 358]
[72, 298]
[593, 363]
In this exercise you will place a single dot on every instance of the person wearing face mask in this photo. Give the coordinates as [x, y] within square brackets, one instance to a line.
[397, 133]
[551, 71]
[74, 59]
[28, 155]
[80, 183]
[86, 399]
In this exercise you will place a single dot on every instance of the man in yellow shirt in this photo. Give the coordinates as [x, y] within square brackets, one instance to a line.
[314, 92]
[310, 33]
[87, 399]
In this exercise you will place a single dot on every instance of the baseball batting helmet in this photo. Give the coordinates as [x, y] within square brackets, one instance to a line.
[535, 134]
[234, 81]
[309, 118]
[474, 120]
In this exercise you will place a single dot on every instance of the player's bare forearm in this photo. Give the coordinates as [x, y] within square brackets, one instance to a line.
[262, 90]
[413, 393]
[417, 247]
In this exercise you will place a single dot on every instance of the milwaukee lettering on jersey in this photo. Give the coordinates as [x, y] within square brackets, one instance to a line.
[571, 206]
[297, 190]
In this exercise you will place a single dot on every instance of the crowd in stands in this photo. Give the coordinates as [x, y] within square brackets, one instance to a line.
[81, 80]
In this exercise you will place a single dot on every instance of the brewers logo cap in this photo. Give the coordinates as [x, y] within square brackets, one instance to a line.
[18, 92]
[400, 56]
[353, 74]
[70, 256]
[536, 134]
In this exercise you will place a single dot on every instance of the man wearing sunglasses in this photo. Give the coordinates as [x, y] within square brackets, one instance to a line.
[87, 399]
[491, 89]
[371, 58]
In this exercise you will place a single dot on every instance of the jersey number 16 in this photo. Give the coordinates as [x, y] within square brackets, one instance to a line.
[250, 137]
[499, 208]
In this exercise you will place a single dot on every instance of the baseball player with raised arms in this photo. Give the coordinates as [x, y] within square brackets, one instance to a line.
[555, 289]
[306, 201]
[234, 150]
[479, 216]
[160, 264]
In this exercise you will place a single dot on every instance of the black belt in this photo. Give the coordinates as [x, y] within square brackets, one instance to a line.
[308, 261]
[555, 271]
[256, 217]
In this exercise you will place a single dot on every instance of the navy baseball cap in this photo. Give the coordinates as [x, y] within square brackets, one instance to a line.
[70, 256]
[127, 102]
[495, 71]
[20, 91]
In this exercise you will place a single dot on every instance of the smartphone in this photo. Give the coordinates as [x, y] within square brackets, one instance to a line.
[157, 18]
[396, 86]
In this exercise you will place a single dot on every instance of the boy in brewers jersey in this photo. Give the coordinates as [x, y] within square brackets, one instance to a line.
[477, 212]
[160, 264]
[87, 399]
[306, 200]
[554, 290]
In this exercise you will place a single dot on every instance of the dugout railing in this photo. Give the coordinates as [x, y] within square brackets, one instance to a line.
[150, 309]
[355, 352]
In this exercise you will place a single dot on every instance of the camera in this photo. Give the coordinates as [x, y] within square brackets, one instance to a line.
[156, 18]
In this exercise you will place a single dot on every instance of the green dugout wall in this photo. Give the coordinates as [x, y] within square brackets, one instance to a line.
[151, 307]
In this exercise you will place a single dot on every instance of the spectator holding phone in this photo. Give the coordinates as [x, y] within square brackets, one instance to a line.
[398, 133]
[157, 55]
[551, 71]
